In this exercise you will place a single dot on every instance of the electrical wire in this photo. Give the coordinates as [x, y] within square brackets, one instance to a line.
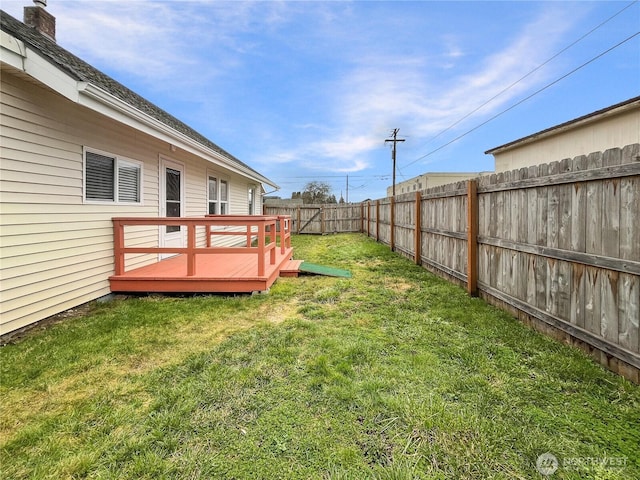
[524, 99]
[385, 177]
[531, 72]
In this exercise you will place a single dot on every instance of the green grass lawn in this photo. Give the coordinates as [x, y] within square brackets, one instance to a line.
[390, 374]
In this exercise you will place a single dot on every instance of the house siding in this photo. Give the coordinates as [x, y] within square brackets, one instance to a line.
[595, 135]
[56, 251]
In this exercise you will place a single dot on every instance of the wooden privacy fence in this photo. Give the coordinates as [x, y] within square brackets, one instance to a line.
[557, 245]
[320, 219]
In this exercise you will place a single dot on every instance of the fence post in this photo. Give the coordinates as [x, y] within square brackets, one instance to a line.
[472, 237]
[369, 219]
[298, 220]
[418, 229]
[377, 220]
[392, 239]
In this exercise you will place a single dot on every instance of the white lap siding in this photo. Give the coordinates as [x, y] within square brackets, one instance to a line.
[56, 250]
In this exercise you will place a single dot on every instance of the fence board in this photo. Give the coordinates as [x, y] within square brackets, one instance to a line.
[542, 204]
[577, 315]
[592, 300]
[629, 312]
[594, 208]
[531, 280]
[629, 218]
[578, 209]
[609, 305]
[553, 199]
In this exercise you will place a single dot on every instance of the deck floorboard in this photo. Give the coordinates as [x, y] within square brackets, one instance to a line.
[215, 273]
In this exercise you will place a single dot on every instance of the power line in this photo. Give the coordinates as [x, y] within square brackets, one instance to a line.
[521, 79]
[531, 72]
[333, 176]
[524, 99]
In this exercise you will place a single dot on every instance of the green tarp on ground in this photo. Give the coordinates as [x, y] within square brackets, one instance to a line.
[312, 268]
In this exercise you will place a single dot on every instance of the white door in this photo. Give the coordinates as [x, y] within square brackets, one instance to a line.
[171, 204]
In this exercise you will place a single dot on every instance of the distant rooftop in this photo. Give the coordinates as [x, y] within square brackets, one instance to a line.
[583, 119]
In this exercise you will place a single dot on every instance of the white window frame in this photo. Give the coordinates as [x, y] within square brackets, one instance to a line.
[252, 199]
[219, 202]
[119, 162]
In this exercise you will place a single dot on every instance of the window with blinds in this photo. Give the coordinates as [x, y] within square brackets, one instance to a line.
[128, 182]
[108, 178]
[99, 177]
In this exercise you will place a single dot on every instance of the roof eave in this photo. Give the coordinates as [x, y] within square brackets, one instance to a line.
[97, 99]
[570, 125]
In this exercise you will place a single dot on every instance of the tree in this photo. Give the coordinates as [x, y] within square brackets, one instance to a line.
[317, 192]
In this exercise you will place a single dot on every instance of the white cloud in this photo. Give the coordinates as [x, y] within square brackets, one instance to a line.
[397, 91]
[189, 50]
[161, 43]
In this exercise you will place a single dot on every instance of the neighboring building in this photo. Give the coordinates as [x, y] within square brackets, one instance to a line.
[431, 179]
[611, 127]
[79, 148]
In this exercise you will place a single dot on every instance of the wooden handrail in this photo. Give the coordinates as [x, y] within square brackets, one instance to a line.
[265, 226]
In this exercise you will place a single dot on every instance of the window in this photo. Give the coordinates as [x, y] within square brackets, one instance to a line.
[224, 197]
[213, 195]
[218, 195]
[108, 178]
[252, 200]
[173, 196]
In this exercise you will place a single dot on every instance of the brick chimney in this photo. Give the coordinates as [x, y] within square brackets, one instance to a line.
[37, 17]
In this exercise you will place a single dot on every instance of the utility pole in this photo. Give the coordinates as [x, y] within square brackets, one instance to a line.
[393, 155]
[347, 188]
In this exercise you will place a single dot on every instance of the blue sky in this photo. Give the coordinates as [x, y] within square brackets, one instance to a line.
[307, 91]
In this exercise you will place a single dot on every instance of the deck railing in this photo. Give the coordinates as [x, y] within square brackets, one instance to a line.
[263, 234]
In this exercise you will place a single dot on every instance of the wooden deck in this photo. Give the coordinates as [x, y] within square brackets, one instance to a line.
[255, 266]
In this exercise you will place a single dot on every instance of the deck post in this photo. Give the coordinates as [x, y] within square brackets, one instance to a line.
[118, 245]
[283, 236]
[272, 241]
[249, 230]
[191, 245]
[261, 252]
[472, 237]
[418, 229]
